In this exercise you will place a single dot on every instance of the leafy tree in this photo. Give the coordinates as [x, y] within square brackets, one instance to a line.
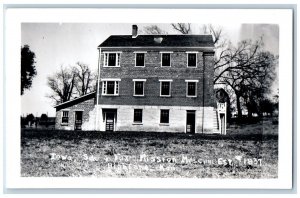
[30, 118]
[44, 117]
[28, 70]
[267, 106]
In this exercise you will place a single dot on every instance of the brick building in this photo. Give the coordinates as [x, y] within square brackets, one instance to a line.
[160, 83]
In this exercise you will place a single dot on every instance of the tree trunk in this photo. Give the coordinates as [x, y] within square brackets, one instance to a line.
[238, 106]
[249, 108]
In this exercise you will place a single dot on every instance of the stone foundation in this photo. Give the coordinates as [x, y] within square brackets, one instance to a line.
[151, 118]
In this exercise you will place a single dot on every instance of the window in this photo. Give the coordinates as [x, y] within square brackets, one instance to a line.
[65, 117]
[165, 59]
[110, 87]
[139, 87]
[165, 88]
[140, 59]
[191, 90]
[138, 116]
[192, 59]
[164, 116]
[112, 59]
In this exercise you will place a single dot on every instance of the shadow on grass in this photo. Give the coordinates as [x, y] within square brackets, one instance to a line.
[78, 135]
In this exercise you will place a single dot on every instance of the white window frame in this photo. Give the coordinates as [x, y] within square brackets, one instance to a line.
[116, 86]
[118, 59]
[62, 113]
[187, 59]
[161, 58]
[196, 92]
[139, 80]
[140, 52]
[170, 88]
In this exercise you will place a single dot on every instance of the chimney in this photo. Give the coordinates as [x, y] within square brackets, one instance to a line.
[134, 31]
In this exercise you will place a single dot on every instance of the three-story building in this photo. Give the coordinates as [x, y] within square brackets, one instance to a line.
[161, 83]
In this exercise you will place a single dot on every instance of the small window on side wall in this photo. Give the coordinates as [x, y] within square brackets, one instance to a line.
[165, 59]
[140, 59]
[65, 117]
[192, 59]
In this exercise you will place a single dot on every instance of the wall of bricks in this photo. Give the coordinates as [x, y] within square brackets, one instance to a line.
[151, 118]
[87, 106]
[151, 102]
[178, 72]
[209, 95]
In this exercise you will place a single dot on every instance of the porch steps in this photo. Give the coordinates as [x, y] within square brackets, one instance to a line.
[215, 122]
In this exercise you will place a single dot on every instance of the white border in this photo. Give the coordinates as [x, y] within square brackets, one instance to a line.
[13, 19]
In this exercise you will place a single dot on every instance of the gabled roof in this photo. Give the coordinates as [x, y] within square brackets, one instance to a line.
[167, 41]
[77, 100]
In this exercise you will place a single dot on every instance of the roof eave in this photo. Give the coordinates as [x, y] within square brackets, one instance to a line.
[204, 47]
[74, 99]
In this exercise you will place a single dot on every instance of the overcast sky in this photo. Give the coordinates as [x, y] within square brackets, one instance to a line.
[57, 45]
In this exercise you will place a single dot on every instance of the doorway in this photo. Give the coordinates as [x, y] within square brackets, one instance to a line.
[110, 119]
[78, 120]
[190, 121]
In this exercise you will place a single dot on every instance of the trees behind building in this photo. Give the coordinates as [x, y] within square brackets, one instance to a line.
[29, 119]
[246, 70]
[71, 82]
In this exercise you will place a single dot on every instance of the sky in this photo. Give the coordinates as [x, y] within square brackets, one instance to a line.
[64, 44]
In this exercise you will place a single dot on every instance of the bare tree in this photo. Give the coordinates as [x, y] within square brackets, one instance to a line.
[216, 32]
[85, 79]
[62, 84]
[234, 58]
[153, 30]
[249, 71]
[246, 69]
[71, 82]
[183, 28]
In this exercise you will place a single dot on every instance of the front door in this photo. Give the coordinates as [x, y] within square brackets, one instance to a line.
[190, 121]
[78, 120]
[110, 121]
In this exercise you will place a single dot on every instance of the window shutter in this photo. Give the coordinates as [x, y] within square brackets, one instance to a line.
[104, 87]
[118, 59]
[117, 87]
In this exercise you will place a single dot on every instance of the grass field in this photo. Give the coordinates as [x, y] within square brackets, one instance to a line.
[248, 151]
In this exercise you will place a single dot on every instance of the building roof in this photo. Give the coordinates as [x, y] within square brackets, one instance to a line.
[77, 100]
[167, 41]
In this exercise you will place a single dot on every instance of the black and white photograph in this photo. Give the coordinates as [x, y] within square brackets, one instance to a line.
[178, 100]
[171, 99]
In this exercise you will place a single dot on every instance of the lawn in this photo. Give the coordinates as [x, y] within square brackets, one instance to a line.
[247, 151]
